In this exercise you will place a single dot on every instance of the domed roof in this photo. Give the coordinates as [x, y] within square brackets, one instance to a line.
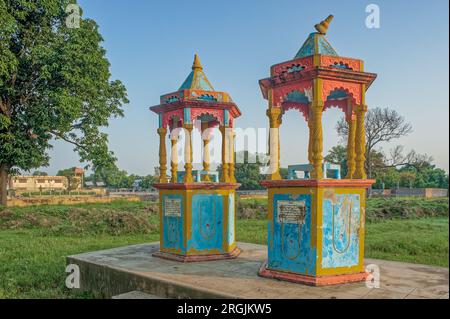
[197, 79]
[316, 43]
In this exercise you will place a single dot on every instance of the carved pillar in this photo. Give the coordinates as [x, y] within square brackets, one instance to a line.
[310, 143]
[351, 155]
[206, 155]
[174, 156]
[188, 154]
[162, 155]
[225, 155]
[274, 115]
[360, 142]
[317, 140]
[232, 160]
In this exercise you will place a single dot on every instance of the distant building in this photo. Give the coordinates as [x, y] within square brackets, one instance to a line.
[36, 183]
[44, 183]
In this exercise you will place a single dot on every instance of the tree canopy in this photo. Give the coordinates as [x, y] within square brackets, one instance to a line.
[54, 84]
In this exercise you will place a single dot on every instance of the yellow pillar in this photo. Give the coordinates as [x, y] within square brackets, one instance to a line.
[351, 155]
[310, 143]
[360, 142]
[206, 157]
[231, 166]
[174, 156]
[274, 115]
[162, 155]
[317, 141]
[225, 155]
[188, 154]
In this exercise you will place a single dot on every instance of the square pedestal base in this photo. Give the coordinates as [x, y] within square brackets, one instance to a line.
[316, 230]
[311, 280]
[197, 221]
[198, 258]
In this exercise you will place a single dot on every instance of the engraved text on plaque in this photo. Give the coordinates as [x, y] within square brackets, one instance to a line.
[292, 212]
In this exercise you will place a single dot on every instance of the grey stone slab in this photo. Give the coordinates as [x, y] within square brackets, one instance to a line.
[379, 293]
[133, 268]
[136, 295]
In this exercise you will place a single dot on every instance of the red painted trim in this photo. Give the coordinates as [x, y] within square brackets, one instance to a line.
[311, 280]
[318, 183]
[326, 73]
[198, 258]
[203, 185]
[163, 108]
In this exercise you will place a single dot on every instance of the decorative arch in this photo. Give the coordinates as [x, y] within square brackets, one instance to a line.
[280, 94]
[301, 107]
[217, 114]
[352, 89]
[168, 116]
[338, 98]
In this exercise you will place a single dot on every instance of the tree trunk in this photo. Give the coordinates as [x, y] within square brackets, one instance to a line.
[3, 183]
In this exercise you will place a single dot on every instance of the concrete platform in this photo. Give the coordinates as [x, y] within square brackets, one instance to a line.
[117, 271]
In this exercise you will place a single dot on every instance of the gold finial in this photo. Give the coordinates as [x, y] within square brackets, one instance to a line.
[197, 64]
[322, 27]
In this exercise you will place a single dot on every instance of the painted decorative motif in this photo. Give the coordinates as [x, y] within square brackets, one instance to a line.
[207, 226]
[207, 218]
[290, 235]
[172, 222]
[296, 65]
[280, 94]
[352, 89]
[199, 112]
[340, 230]
[168, 116]
[340, 62]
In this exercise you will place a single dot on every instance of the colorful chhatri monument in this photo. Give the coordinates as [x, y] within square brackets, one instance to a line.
[197, 213]
[316, 224]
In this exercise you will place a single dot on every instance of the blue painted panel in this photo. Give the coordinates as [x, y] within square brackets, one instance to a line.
[188, 82]
[297, 96]
[187, 115]
[173, 225]
[207, 222]
[340, 227]
[307, 48]
[226, 117]
[325, 47]
[290, 243]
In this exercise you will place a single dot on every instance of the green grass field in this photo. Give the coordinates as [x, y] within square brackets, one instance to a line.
[34, 241]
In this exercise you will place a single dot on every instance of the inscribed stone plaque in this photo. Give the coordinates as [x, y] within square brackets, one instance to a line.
[291, 212]
[172, 207]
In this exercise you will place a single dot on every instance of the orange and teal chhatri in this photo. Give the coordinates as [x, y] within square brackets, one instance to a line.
[196, 97]
[316, 225]
[197, 217]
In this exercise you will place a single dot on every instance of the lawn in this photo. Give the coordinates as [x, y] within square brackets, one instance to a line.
[34, 241]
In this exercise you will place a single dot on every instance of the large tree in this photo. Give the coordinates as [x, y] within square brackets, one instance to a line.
[382, 125]
[54, 84]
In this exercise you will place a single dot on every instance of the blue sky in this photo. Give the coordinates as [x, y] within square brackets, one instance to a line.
[151, 45]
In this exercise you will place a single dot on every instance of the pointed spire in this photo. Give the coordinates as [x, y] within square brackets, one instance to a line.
[197, 79]
[197, 65]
